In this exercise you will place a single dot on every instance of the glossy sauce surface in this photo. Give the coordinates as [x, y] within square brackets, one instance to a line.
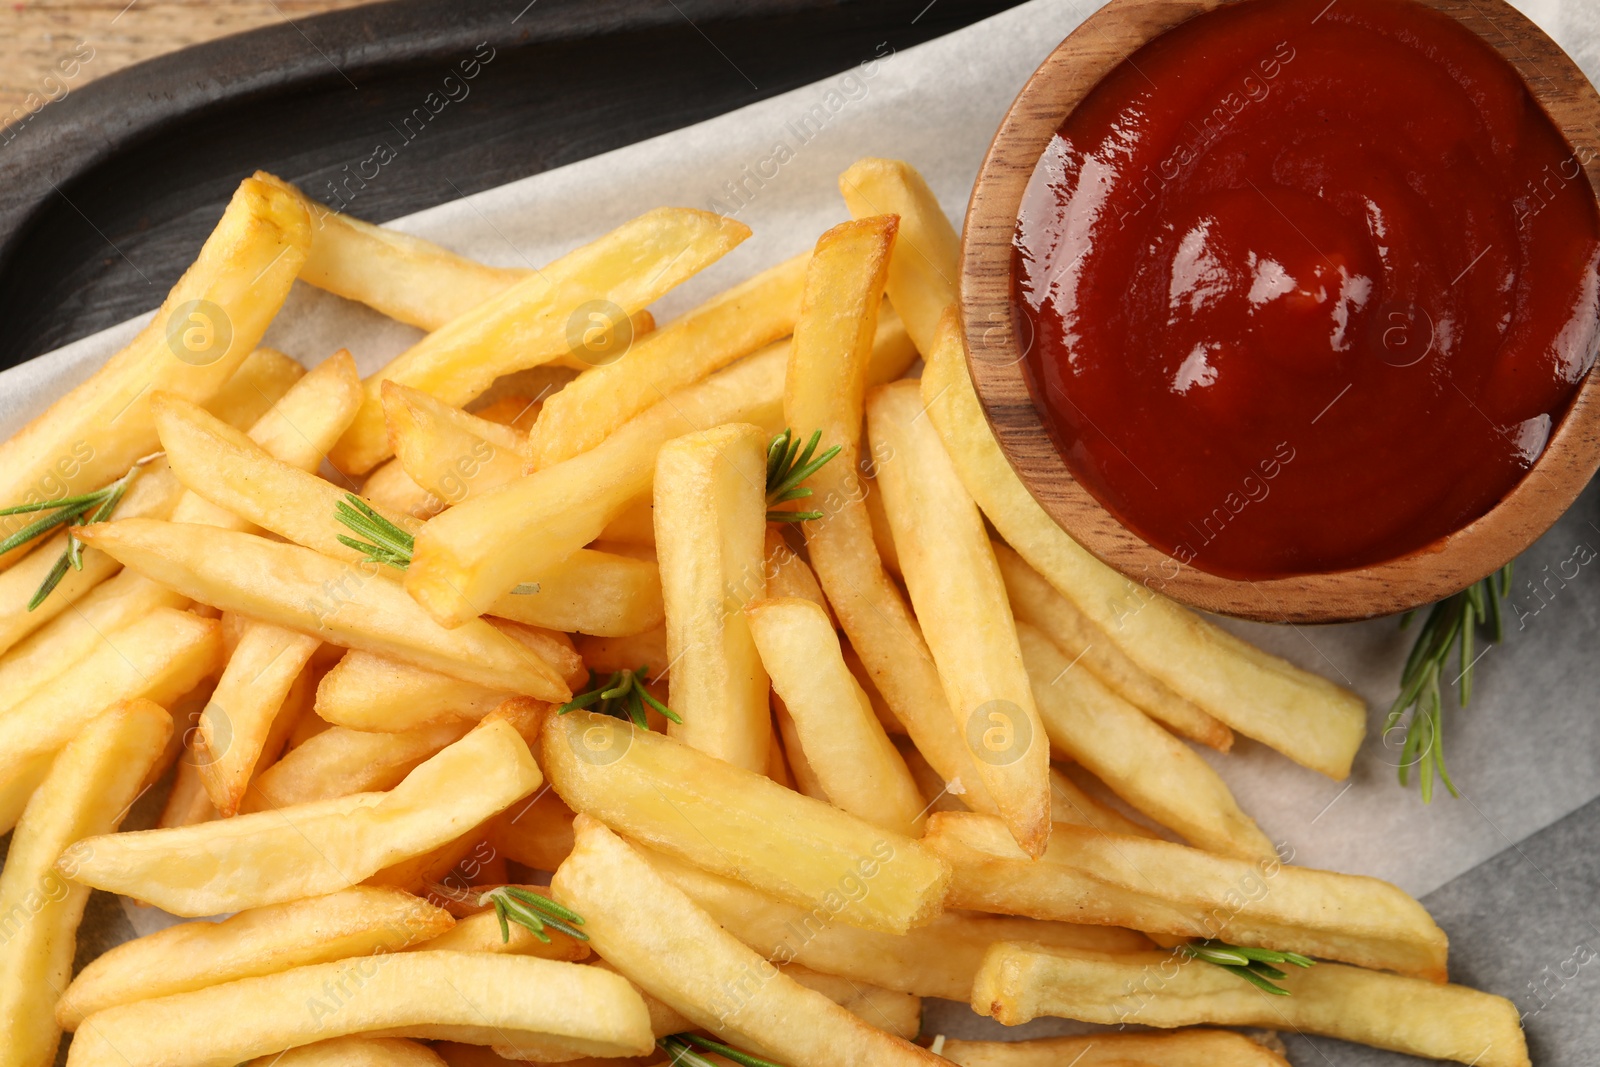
[1306, 286]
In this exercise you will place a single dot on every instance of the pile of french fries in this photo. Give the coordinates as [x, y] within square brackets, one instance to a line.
[520, 725]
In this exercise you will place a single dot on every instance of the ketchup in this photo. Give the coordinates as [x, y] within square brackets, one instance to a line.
[1308, 284]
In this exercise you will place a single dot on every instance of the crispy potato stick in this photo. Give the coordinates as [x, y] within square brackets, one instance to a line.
[740, 823]
[247, 701]
[210, 322]
[1035, 601]
[355, 922]
[481, 933]
[882, 534]
[899, 1014]
[1181, 1048]
[591, 592]
[711, 523]
[1307, 718]
[538, 318]
[421, 872]
[936, 960]
[1069, 803]
[823, 391]
[302, 590]
[391, 489]
[355, 1052]
[934, 791]
[90, 788]
[1432, 1020]
[406, 278]
[537, 833]
[264, 376]
[635, 525]
[532, 1007]
[1162, 887]
[607, 654]
[338, 762]
[790, 576]
[365, 691]
[187, 803]
[321, 847]
[1147, 767]
[960, 599]
[656, 936]
[733, 324]
[924, 271]
[805, 777]
[448, 452]
[856, 764]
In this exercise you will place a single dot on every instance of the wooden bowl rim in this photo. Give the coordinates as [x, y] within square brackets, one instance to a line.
[1089, 52]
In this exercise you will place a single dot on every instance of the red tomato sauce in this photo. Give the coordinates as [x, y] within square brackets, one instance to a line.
[1306, 285]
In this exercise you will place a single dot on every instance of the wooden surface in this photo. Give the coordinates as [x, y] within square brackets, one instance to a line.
[997, 356]
[51, 47]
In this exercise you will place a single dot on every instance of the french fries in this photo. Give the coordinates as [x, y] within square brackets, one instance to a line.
[364, 691]
[481, 933]
[529, 1006]
[1305, 717]
[590, 592]
[656, 936]
[838, 736]
[93, 783]
[1160, 887]
[536, 834]
[1020, 982]
[311, 849]
[1069, 803]
[1180, 1048]
[338, 762]
[711, 522]
[535, 320]
[264, 376]
[960, 599]
[359, 921]
[790, 576]
[739, 823]
[446, 451]
[355, 1052]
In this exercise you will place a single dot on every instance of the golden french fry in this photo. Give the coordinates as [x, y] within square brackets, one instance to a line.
[739, 823]
[1147, 767]
[1166, 888]
[1035, 601]
[481, 933]
[790, 576]
[607, 654]
[882, 535]
[732, 324]
[856, 764]
[264, 376]
[94, 781]
[960, 600]
[355, 1052]
[1428, 1019]
[1070, 803]
[924, 272]
[274, 856]
[894, 1013]
[934, 791]
[533, 321]
[1181, 1048]
[531, 1006]
[338, 762]
[209, 323]
[343, 604]
[805, 776]
[537, 833]
[936, 960]
[656, 936]
[1307, 718]
[354, 922]
[711, 522]
[187, 803]
[365, 691]
[590, 592]
[391, 489]
[406, 278]
[635, 525]
[453, 455]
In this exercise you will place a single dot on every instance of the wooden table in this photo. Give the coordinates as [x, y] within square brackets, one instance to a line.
[50, 47]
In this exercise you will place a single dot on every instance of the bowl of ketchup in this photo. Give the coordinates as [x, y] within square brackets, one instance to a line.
[1286, 308]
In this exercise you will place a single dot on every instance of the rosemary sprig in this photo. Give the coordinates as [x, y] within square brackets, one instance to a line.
[1254, 965]
[385, 542]
[622, 696]
[682, 1050]
[1452, 622]
[787, 466]
[97, 506]
[513, 904]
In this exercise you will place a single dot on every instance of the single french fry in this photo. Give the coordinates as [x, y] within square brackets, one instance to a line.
[1035, 601]
[634, 525]
[187, 804]
[824, 390]
[936, 960]
[264, 376]
[1180, 1048]
[481, 933]
[420, 873]
[737, 822]
[1069, 803]
[536, 833]
[590, 592]
[1142, 763]
[855, 763]
[365, 691]
[605, 655]
[391, 489]
[358, 921]
[93, 783]
[790, 576]
[651, 932]
[882, 534]
[805, 776]
[706, 339]
[339, 761]
[210, 321]
[711, 522]
[533, 321]
[1020, 982]
[355, 1052]
[453, 455]
[777, 764]
[274, 856]
[302, 590]
[1306, 717]
[1166, 888]
[518, 411]
[532, 1006]
[934, 791]
[894, 1013]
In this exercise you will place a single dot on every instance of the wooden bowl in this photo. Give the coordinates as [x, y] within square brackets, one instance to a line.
[1002, 379]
